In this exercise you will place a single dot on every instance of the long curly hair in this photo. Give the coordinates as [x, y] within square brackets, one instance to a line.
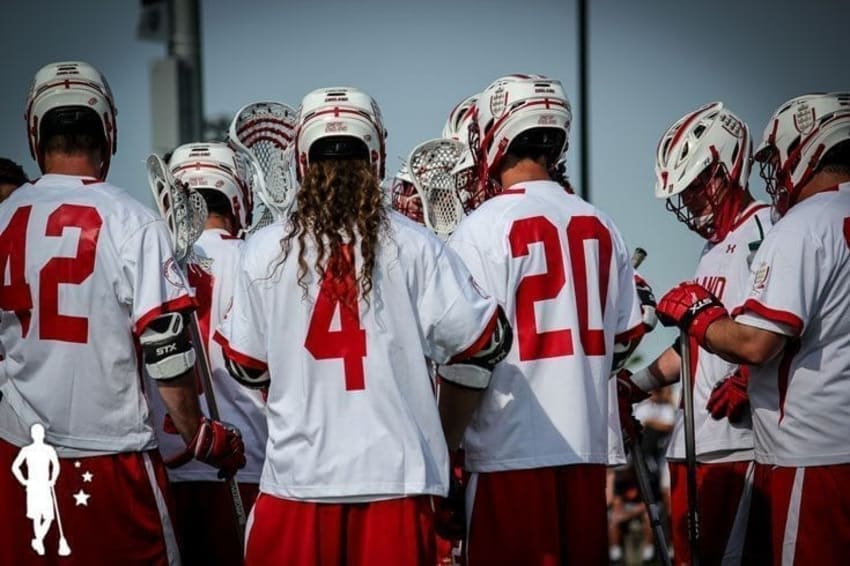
[339, 201]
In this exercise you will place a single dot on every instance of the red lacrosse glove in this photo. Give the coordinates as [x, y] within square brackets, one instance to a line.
[647, 303]
[217, 444]
[450, 511]
[692, 308]
[628, 394]
[729, 398]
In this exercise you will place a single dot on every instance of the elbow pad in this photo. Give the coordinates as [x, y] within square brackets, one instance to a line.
[474, 371]
[249, 377]
[166, 346]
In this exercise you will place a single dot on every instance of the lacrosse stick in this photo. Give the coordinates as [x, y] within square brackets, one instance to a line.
[64, 549]
[431, 167]
[263, 131]
[690, 447]
[642, 470]
[185, 213]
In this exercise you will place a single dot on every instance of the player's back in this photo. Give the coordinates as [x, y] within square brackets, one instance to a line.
[76, 253]
[560, 268]
[351, 405]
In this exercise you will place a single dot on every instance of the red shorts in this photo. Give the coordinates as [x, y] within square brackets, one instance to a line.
[808, 513]
[206, 522]
[119, 516]
[393, 531]
[541, 516]
[723, 510]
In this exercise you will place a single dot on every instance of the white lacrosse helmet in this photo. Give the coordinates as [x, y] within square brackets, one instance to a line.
[703, 144]
[460, 118]
[71, 84]
[340, 112]
[215, 166]
[797, 136]
[514, 105]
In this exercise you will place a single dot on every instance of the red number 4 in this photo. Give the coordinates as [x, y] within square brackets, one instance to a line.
[16, 296]
[338, 291]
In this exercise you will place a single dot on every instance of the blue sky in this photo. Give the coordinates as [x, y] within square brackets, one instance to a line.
[651, 62]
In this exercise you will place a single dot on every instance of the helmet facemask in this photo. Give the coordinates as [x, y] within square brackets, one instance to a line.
[710, 204]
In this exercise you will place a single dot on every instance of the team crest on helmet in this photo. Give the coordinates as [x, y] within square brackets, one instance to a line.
[498, 102]
[804, 118]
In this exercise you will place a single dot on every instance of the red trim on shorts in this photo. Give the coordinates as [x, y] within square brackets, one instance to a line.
[482, 340]
[182, 303]
[243, 360]
[631, 334]
[773, 315]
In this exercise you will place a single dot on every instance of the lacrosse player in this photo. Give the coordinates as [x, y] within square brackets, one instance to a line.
[538, 445]
[204, 519]
[89, 275]
[335, 310]
[702, 169]
[792, 325]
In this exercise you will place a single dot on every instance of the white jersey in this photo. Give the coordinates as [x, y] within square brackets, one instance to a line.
[351, 409]
[560, 270]
[724, 269]
[801, 288]
[212, 277]
[85, 268]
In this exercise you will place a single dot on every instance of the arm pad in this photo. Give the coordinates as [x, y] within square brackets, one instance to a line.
[249, 377]
[166, 346]
[474, 371]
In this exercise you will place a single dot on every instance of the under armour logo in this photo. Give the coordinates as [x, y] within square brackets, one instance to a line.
[730, 248]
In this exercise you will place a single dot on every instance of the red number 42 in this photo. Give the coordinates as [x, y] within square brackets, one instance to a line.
[16, 296]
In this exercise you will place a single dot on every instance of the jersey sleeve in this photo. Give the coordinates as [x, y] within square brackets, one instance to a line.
[783, 284]
[242, 332]
[454, 310]
[155, 283]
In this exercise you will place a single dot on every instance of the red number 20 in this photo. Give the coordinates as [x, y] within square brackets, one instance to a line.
[16, 295]
[534, 345]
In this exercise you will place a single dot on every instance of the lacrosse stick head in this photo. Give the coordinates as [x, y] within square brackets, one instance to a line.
[214, 166]
[263, 132]
[183, 209]
[432, 165]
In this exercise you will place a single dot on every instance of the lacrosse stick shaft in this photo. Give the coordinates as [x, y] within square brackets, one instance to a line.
[202, 365]
[690, 448]
[652, 508]
[64, 549]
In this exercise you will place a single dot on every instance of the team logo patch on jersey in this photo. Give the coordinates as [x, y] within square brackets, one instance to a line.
[172, 273]
[761, 276]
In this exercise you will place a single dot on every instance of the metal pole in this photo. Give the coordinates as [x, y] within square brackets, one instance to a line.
[584, 101]
[185, 45]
